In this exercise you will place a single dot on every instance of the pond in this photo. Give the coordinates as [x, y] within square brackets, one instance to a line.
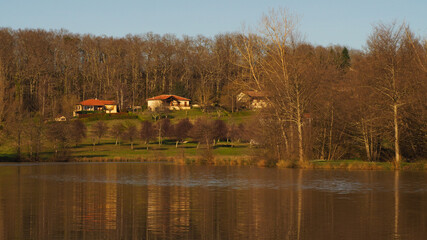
[161, 201]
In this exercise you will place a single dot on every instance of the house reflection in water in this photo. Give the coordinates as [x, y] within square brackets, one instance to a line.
[173, 201]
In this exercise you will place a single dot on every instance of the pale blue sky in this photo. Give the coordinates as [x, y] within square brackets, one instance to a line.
[322, 22]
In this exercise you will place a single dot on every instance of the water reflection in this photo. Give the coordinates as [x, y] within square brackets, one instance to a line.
[155, 201]
[396, 205]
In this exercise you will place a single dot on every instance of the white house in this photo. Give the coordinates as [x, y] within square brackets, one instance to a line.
[171, 102]
[95, 105]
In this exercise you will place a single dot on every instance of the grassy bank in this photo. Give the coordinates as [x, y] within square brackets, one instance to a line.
[354, 165]
[220, 155]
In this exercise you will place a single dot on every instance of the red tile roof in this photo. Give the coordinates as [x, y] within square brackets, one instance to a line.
[96, 102]
[164, 97]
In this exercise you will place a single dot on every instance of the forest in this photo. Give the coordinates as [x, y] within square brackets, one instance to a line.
[324, 102]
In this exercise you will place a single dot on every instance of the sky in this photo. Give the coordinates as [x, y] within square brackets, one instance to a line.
[320, 22]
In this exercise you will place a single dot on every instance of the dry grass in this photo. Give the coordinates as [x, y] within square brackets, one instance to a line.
[348, 165]
[285, 164]
[419, 165]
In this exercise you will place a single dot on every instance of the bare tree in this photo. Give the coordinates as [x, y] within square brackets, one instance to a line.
[58, 134]
[220, 129]
[117, 131]
[130, 133]
[15, 125]
[163, 128]
[390, 58]
[34, 133]
[147, 132]
[280, 65]
[182, 130]
[77, 131]
[203, 131]
[99, 129]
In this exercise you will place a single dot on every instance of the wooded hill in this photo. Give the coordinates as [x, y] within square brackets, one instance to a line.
[325, 102]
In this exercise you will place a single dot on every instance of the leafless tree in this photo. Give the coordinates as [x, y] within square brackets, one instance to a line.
[163, 128]
[58, 134]
[99, 129]
[390, 57]
[280, 65]
[117, 131]
[130, 133]
[147, 132]
[77, 131]
[182, 130]
[203, 131]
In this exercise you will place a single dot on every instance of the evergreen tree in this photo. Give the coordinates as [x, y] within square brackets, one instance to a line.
[345, 59]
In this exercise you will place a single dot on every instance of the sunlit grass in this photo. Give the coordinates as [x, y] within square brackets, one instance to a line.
[108, 149]
[349, 164]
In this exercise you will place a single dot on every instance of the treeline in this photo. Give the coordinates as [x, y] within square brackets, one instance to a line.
[324, 102]
[49, 71]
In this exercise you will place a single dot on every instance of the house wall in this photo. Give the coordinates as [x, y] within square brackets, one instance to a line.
[108, 109]
[153, 104]
[183, 105]
[243, 98]
[258, 103]
[111, 108]
[77, 108]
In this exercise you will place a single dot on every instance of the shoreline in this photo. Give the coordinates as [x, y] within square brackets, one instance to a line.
[420, 165]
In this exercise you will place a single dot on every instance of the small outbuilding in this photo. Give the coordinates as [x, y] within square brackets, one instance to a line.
[171, 102]
[60, 118]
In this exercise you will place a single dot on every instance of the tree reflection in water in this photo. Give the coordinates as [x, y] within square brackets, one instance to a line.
[158, 201]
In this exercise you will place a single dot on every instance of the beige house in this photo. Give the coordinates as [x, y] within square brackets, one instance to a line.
[95, 106]
[171, 102]
[252, 99]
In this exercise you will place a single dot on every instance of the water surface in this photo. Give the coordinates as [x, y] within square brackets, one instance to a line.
[160, 201]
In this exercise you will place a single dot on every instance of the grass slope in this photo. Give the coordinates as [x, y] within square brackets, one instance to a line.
[108, 150]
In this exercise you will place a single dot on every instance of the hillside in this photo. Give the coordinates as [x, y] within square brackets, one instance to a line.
[106, 148]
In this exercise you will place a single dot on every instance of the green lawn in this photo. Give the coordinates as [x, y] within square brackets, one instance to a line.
[193, 114]
[108, 150]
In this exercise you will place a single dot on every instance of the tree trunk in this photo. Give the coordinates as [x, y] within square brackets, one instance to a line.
[299, 128]
[300, 142]
[330, 135]
[365, 134]
[121, 99]
[18, 150]
[396, 136]
[160, 136]
[322, 151]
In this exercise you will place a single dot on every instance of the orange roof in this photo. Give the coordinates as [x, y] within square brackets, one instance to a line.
[96, 102]
[164, 97]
